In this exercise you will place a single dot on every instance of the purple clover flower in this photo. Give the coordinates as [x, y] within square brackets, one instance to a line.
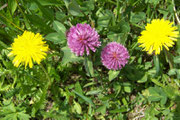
[114, 56]
[82, 38]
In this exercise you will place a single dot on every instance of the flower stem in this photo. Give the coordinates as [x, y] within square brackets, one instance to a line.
[47, 76]
[44, 92]
[175, 12]
[157, 65]
[169, 58]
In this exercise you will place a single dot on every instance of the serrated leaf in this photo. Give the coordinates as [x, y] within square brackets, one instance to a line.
[23, 116]
[12, 116]
[157, 94]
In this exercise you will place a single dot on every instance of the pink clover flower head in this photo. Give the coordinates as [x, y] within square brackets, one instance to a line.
[81, 38]
[114, 56]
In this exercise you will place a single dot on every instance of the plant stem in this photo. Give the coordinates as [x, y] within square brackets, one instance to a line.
[176, 15]
[156, 63]
[47, 76]
[44, 92]
[2, 7]
[169, 58]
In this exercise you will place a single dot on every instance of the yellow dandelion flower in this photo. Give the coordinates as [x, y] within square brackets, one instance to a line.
[28, 48]
[158, 34]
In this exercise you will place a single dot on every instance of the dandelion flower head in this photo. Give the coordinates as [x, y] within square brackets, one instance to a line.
[28, 48]
[114, 56]
[158, 34]
[82, 38]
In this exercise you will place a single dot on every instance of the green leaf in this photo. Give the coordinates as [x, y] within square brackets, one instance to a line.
[93, 92]
[56, 38]
[148, 65]
[171, 92]
[124, 101]
[38, 22]
[114, 36]
[49, 2]
[155, 81]
[3, 45]
[78, 88]
[67, 2]
[154, 2]
[77, 107]
[61, 16]
[120, 110]
[172, 72]
[102, 109]
[157, 94]
[119, 32]
[154, 95]
[74, 9]
[12, 116]
[127, 87]
[113, 74]
[69, 56]
[103, 20]
[89, 84]
[89, 66]
[143, 79]
[177, 59]
[84, 98]
[150, 113]
[138, 17]
[12, 4]
[59, 27]
[23, 116]
[47, 13]
[87, 6]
